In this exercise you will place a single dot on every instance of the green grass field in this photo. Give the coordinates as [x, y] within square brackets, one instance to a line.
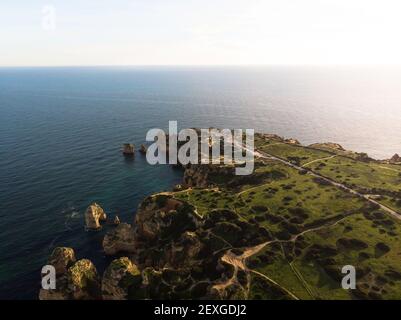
[313, 228]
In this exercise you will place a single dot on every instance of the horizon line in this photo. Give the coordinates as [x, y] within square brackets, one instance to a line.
[209, 65]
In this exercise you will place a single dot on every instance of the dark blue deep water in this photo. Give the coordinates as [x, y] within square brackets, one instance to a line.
[61, 131]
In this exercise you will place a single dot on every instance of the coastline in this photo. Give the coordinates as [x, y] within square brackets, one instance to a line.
[159, 216]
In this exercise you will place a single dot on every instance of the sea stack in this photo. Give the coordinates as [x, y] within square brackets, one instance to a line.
[128, 149]
[93, 215]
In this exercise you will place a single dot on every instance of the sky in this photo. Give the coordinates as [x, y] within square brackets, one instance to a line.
[199, 32]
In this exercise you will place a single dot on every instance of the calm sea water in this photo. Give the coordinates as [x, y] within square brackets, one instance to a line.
[61, 131]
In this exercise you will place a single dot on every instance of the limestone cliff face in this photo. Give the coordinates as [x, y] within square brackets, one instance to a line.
[184, 250]
[121, 239]
[159, 218]
[157, 215]
[121, 280]
[83, 280]
[175, 254]
[93, 215]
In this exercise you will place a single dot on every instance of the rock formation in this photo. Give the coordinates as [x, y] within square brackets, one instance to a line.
[158, 215]
[121, 239]
[116, 220]
[143, 149]
[121, 280]
[83, 280]
[178, 187]
[173, 254]
[128, 149]
[61, 259]
[93, 215]
[79, 282]
[292, 141]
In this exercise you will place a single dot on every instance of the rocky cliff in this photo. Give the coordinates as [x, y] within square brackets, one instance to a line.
[121, 280]
[74, 280]
[204, 176]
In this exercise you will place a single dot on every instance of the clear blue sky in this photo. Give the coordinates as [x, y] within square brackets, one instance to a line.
[199, 32]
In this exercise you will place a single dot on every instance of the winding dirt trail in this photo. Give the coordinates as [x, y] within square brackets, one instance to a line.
[239, 261]
[391, 169]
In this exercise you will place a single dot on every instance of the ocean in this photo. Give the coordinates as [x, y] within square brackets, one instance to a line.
[61, 132]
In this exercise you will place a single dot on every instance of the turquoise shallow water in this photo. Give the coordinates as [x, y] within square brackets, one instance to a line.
[61, 131]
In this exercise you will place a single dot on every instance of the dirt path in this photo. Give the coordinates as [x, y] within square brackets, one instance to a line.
[276, 284]
[239, 263]
[317, 160]
[392, 169]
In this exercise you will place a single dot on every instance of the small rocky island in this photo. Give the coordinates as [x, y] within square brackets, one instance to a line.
[128, 149]
[94, 214]
[283, 232]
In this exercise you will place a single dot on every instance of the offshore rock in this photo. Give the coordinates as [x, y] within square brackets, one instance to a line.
[116, 220]
[93, 215]
[128, 149]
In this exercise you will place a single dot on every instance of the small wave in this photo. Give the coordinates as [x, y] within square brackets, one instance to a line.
[74, 215]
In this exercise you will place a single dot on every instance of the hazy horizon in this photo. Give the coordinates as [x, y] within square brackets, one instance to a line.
[200, 33]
